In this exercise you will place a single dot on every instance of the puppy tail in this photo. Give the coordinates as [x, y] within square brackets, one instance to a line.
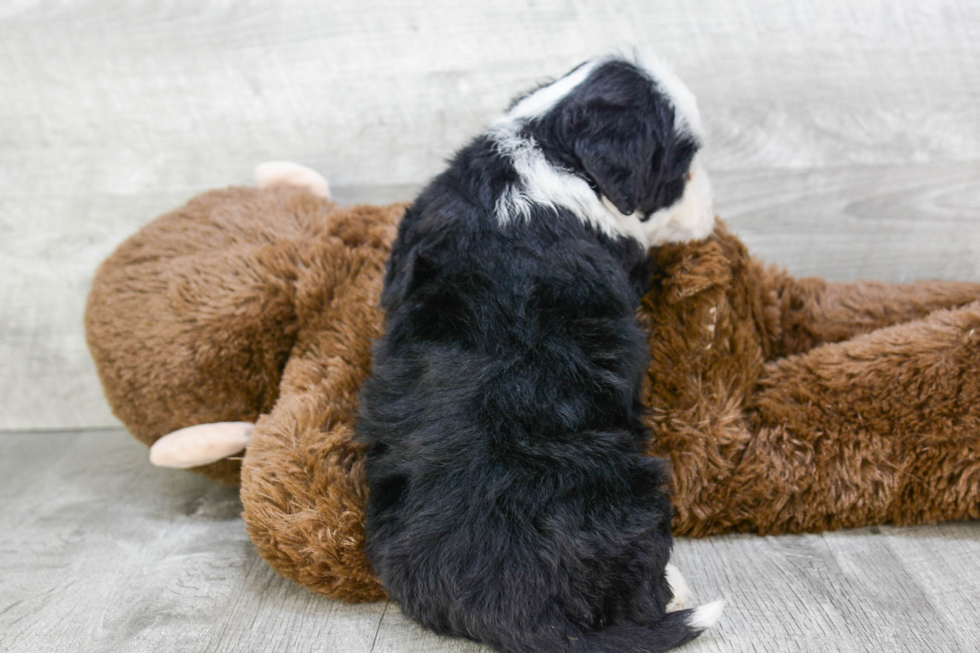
[674, 629]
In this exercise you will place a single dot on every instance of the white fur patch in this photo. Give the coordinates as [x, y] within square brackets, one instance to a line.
[686, 114]
[678, 587]
[707, 615]
[542, 184]
[692, 217]
[542, 100]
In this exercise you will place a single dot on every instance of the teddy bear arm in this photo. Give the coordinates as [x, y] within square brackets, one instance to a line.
[304, 484]
[813, 311]
[881, 428]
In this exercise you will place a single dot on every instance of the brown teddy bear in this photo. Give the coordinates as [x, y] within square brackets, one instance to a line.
[783, 404]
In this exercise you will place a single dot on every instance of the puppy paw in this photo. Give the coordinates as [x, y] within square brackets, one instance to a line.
[678, 587]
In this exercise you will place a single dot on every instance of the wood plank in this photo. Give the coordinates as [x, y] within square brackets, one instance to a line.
[100, 551]
[896, 223]
[843, 591]
[943, 558]
[140, 96]
[843, 140]
[266, 612]
[398, 634]
[843, 137]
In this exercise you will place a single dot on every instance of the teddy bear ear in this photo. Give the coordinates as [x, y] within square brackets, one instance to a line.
[287, 173]
[202, 444]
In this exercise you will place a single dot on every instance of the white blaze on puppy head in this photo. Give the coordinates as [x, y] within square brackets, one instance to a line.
[519, 134]
[686, 113]
[538, 102]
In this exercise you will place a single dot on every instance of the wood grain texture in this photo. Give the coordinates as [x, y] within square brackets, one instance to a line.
[843, 137]
[99, 551]
[843, 140]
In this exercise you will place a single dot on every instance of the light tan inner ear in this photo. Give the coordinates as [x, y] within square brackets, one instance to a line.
[201, 444]
[287, 173]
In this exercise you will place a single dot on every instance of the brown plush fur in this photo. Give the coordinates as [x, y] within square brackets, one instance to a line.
[770, 433]
[784, 405]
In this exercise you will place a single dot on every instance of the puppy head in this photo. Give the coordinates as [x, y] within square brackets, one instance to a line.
[632, 131]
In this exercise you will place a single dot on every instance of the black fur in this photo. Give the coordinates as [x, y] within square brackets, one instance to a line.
[619, 134]
[510, 500]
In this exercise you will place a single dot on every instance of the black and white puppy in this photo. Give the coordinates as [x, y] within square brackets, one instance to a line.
[511, 502]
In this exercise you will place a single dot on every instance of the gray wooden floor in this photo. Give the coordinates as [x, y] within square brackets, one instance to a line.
[843, 140]
[101, 552]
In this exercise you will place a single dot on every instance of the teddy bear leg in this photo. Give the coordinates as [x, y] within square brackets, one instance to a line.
[884, 427]
[304, 477]
[815, 311]
[304, 484]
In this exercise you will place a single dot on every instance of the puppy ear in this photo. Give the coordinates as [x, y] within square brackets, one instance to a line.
[626, 138]
[407, 274]
[613, 165]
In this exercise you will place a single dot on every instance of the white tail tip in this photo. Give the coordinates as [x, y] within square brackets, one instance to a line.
[287, 173]
[707, 615]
